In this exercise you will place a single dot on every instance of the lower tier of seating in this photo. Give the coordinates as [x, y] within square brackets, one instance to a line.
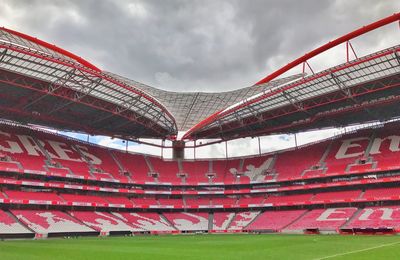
[185, 221]
[375, 218]
[50, 221]
[27, 221]
[323, 219]
[146, 221]
[9, 225]
[102, 221]
[275, 220]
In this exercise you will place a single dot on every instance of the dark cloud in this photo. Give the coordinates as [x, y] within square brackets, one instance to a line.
[192, 45]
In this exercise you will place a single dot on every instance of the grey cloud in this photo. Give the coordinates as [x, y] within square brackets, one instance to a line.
[192, 45]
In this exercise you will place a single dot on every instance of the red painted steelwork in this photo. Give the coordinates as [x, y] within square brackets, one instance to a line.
[54, 48]
[393, 18]
[390, 19]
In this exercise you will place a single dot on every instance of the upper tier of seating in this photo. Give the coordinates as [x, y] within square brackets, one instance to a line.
[34, 151]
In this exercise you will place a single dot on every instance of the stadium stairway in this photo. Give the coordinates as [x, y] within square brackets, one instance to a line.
[295, 220]
[210, 221]
[321, 167]
[11, 215]
[122, 170]
[351, 218]
[242, 219]
[74, 218]
[9, 225]
[148, 163]
[92, 169]
[169, 222]
[254, 219]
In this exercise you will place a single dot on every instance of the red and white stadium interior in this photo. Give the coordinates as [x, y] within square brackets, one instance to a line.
[53, 185]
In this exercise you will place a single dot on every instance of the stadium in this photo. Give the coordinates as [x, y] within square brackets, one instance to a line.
[316, 196]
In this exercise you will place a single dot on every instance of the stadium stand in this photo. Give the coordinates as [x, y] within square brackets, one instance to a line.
[36, 196]
[242, 219]
[134, 165]
[288, 198]
[259, 169]
[83, 198]
[274, 221]
[337, 196]
[185, 221]
[245, 200]
[199, 201]
[146, 221]
[381, 194]
[265, 168]
[198, 173]
[346, 152]
[63, 152]
[376, 217]
[145, 201]
[223, 201]
[20, 147]
[119, 200]
[8, 225]
[322, 219]
[50, 221]
[167, 170]
[171, 202]
[102, 221]
[221, 220]
[101, 162]
[308, 157]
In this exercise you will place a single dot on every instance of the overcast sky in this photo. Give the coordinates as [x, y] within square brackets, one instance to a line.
[193, 45]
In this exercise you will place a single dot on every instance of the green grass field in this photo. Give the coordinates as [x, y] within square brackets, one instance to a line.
[229, 247]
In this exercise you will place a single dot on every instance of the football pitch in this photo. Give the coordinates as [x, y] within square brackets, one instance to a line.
[238, 246]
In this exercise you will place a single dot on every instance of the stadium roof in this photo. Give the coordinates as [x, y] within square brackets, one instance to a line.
[189, 108]
[365, 89]
[78, 85]
[46, 85]
[50, 86]
[318, 100]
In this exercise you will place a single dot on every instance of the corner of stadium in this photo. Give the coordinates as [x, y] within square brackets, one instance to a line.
[54, 186]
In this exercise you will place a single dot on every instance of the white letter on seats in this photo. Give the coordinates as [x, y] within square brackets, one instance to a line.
[84, 151]
[13, 146]
[394, 144]
[29, 144]
[386, 215]
[346, 144]
[62, 152]
[326, 214]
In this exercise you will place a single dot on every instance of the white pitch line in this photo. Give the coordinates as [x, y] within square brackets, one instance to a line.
[357, 251]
